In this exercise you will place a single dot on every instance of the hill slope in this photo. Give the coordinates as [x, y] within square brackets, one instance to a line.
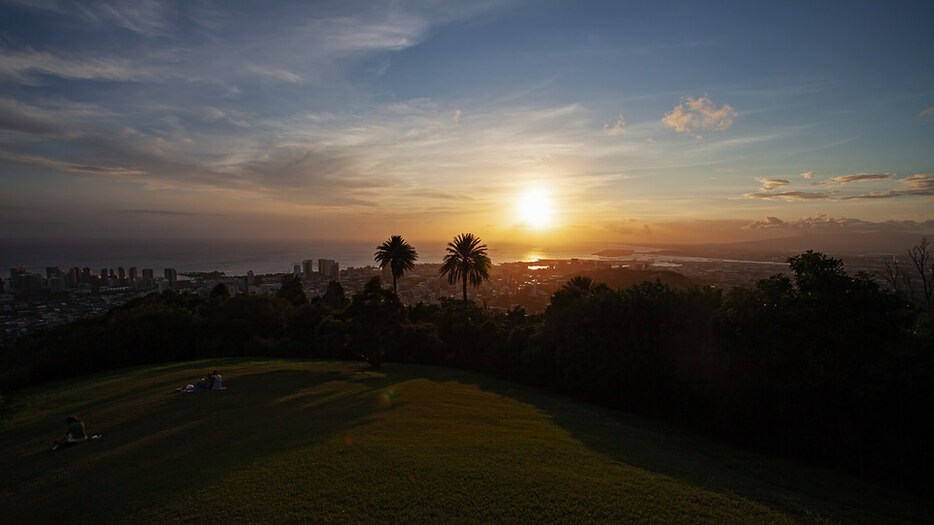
[325, 441]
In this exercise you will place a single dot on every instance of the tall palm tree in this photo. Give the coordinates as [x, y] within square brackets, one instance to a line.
[398, 255]
[466, 261]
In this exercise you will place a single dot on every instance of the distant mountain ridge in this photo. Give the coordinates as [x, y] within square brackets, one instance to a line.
[833, 244]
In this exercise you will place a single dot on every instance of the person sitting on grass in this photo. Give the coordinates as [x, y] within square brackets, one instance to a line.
[209, 381]
[217, 381]
[75, 434]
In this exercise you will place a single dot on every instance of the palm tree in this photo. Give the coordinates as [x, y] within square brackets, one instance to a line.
[579, 281]
[398, 255]
[466, 261]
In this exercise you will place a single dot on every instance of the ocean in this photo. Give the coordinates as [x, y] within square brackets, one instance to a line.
[238, 257]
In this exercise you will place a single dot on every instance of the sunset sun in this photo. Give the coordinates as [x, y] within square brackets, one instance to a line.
[534, 209]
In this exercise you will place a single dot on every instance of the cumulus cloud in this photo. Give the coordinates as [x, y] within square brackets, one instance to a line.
[768, 223]
[920, 184]
[771, 184]
[699, 114]
[822, 222]
[860, 177]
[618, 128]
[808, 174]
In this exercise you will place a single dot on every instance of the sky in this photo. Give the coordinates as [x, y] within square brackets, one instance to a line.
[613, 121]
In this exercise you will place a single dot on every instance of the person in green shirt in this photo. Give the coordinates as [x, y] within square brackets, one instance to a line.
[75, 434]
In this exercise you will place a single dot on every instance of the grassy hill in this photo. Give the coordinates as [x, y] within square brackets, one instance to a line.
[293, 441]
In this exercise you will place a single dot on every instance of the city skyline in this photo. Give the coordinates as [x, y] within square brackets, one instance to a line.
[592, 121]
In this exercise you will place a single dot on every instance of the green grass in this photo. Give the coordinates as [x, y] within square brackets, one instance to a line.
[296, 441]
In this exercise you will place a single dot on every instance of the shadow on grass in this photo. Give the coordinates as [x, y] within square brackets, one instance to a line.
[805, 493]
[156, 447]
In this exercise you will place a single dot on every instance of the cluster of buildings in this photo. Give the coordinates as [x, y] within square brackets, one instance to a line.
[83, 280]
[30, 301]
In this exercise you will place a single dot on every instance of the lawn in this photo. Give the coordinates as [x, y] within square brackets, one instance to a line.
[298, 441]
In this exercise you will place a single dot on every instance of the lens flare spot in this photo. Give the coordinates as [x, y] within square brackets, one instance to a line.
[388, 396]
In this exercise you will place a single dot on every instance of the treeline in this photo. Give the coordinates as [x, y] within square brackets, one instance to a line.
[819, 365]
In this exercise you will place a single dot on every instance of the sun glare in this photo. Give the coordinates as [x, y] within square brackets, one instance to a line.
[535, 209]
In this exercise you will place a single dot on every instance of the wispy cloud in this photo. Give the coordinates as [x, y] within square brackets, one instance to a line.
[147, 17]
[699, 114]
[23, 66]
[170, 213]
[441, 195]
[861, 177]
[25, 118]
[927, 112]
[789, 196]
[108, 171]
[808, 174]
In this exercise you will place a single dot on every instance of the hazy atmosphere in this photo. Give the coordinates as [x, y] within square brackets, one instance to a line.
[440, 261]
[622, 122]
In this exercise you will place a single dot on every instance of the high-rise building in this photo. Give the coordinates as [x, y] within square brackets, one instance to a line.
[74, 276]
[330, 269]
[51, 270]
[308, 267]
[121, 272]
[296, 270]
[171, 276]
[133, 273]
[148, 277]
[27, 283]
[57, 282]
[85, 275]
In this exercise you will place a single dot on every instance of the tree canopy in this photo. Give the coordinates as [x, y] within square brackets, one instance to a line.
[466, 261]
[398, 255]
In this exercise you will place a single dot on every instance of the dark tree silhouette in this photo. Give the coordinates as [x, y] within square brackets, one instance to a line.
[292, 291]
[376, 319]
[220, 290]
[921, 258]
[398, 255]
[580, 281]
[334, 296]
[466, 261]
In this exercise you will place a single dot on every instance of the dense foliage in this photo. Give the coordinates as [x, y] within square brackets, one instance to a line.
[819, 365]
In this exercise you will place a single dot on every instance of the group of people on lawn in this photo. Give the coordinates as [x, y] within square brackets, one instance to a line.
[76, 432]
[211, 381]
